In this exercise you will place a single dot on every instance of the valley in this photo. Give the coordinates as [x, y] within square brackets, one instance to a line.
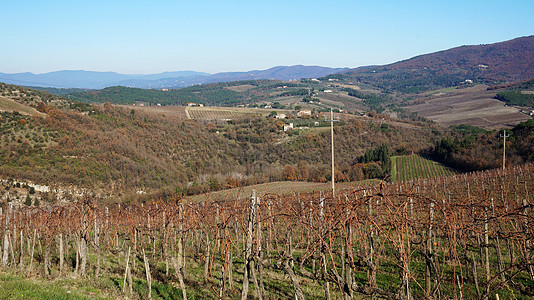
[188, 184]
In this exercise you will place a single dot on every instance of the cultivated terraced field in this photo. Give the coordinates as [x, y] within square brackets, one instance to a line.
[202, 113]
[474, 106]
[215, 113]
[174, 111]
[411, 167]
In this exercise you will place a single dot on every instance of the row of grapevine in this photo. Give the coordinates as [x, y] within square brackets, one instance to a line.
[205, 114]
[460, 236]
[416, 167]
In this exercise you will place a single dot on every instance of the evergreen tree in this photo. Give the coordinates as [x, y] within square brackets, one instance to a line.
[28, 201]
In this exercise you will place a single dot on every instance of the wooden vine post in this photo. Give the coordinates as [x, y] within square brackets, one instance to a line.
[248, 245]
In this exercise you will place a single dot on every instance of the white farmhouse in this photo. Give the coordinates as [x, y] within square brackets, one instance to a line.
[288, 126]
[304, 112]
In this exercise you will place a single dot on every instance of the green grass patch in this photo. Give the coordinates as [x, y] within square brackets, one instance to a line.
[19, 287]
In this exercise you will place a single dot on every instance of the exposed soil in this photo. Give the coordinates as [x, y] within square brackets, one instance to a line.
[473, 106]
[9, 105]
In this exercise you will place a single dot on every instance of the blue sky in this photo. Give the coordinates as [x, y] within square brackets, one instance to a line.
[219, 36]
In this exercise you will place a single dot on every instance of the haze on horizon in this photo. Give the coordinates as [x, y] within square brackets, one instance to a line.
[141, 37]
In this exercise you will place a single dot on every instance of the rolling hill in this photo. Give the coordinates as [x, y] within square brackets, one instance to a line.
[179, 79]
[111, 148]
[474, 105]
[508, 61]
[213, 94]
[126, 151]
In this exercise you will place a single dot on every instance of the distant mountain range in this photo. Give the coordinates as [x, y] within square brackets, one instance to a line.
[89, 79]
[498, 63]
[98, 80]
[493, 64]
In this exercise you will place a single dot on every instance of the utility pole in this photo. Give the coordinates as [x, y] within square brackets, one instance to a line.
[504, 136]
[332, 135]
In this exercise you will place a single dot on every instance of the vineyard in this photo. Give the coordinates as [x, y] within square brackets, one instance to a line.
[220, 114]
[460, 236]
[413, 167]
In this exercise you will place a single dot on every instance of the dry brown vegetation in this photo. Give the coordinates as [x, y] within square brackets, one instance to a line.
[131, 148]
[464, 236]
[503, 62]
[282, 188]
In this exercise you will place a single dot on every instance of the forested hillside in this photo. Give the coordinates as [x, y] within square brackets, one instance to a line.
[221, 94]
[503, 62]
[319, 95]
[111, 147]
[520, 94]
[114, 149]
[472, 151]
